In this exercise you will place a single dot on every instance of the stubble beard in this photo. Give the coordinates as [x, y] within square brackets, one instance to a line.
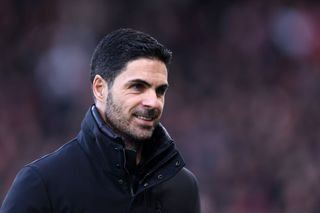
[117, 120]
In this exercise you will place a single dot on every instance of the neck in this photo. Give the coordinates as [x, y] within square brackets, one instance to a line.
[134, 146]
[129, 143]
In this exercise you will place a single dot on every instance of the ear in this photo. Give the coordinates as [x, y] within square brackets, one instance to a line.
[99, 88]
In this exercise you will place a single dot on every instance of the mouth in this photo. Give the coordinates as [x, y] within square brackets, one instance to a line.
[144, 118]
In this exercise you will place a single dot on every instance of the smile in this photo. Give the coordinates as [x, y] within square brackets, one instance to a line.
[144, 118]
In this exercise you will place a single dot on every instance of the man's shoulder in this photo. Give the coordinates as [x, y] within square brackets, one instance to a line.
[47, 179]
[184, 182]
[185, 177]
[183, 185]
[66, 155]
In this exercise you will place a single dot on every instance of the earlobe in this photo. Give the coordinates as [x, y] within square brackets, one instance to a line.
[99, 88]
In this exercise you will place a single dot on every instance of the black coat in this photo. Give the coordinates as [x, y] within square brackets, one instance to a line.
[92, 174]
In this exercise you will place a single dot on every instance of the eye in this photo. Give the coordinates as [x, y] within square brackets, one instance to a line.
[161, 90]
[137, 87]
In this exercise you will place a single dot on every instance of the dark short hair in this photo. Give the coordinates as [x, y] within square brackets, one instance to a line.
[121, 46]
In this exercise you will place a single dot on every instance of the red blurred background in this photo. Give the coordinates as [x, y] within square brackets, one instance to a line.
[243, 98]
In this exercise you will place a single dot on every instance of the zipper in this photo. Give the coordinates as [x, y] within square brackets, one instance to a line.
[129, 177]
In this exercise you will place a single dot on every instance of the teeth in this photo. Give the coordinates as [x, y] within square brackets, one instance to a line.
[144, 118]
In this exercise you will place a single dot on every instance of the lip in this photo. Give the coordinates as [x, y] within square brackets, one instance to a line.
[144, 121]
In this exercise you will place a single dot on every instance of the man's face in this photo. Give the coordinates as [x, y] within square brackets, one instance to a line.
[135, 101]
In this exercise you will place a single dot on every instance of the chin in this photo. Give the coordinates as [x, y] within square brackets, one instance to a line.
[139, 133]
[145, 135]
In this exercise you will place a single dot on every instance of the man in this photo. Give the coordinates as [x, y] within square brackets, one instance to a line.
[123, 160]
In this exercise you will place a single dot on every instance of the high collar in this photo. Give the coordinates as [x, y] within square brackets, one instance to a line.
[102, 125]
[101, 143]
[160, 132]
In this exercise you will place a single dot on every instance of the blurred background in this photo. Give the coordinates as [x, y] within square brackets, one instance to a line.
[243, 98]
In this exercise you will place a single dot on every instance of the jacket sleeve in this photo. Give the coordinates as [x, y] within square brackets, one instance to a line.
[27, 194]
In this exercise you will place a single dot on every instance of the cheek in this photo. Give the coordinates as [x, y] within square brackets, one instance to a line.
[130, 104]
[162, 101]
[162, 106]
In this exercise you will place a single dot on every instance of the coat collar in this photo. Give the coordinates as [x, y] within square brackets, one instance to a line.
[104, 146]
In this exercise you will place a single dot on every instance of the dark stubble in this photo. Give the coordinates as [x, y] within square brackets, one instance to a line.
[120, 123]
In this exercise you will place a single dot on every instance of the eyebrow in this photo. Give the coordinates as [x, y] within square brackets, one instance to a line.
[140, 81]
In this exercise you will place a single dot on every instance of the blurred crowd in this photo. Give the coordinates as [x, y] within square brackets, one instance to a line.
[243, 98]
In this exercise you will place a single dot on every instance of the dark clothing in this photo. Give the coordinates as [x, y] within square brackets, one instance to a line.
[91, 174]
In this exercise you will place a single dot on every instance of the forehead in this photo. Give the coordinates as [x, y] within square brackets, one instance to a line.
[152, 71]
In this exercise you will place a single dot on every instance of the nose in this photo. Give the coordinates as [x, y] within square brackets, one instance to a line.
[151, 100]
